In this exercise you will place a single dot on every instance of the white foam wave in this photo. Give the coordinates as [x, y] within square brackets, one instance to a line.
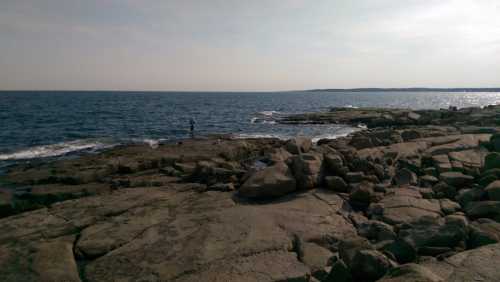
[55, 150]
[268, 113]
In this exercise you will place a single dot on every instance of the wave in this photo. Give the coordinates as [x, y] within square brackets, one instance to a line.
[65, 148]
[268, 113]
[55, 150]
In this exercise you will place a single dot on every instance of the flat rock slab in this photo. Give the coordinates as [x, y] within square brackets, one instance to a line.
[169, 234]
[405, 206]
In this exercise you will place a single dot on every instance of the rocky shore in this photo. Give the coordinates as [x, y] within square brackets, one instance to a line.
[415, 197]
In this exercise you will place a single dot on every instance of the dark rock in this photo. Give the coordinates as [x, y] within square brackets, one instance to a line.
[493, 190]
[456, 179]
[316, 258]
[495, 142]
[362, 194]
[443, 190]
[339, 273]
[376, 230]
[273, 181]
[355, 177]
[349, 247]
[405, 177]
[369, 265]
[222, 187]
[448, 206]
[466, 196]
[492, 160]
[484, 231]
[402, 250]
[298, 145]
[410, 273]
[307, 169]
[428, 181]
[336, 183]
[488, 209]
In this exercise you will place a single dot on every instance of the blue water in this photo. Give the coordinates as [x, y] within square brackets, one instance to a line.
[47, 124]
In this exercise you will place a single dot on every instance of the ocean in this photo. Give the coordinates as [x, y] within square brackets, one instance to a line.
[48, 124]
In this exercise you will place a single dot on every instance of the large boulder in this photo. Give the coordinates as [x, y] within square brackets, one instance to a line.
[411, 273]
[405, 177]
[298, 145]
[369, 265]
[488, 209]
[493, 190]
[376, 230]
[307, 169]
[405, 205]
[273, 181]
[456, 179]
[484, 231]
[336, 183]
[492, 160]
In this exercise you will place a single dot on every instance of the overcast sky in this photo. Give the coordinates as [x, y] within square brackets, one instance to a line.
[248, 45]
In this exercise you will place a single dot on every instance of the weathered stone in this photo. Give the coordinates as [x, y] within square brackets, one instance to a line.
[410, 273]
[488, 209]
[492, 160]
[339, 273]
[54, 261]
[493, 190]
[307, 169]
[273, 181]
[350, 246]
[369, 265]
[484, 231]
[362, 194]
[298, 145]
[405, 177]
[428, 181]
[334, 162]
[405, 205]
[336, 183]
[376, 230]
[448, 206]
[316, 258]
[355, 177]
[466, 196]
[456, 179]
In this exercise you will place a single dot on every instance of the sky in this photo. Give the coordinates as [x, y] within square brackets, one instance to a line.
[240, 45]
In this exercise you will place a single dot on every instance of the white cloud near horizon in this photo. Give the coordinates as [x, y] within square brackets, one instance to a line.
[248, 45]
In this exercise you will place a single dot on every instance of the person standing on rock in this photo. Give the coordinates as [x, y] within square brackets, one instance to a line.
[192, 122]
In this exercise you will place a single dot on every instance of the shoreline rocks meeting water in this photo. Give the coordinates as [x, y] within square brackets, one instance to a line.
[414, 197]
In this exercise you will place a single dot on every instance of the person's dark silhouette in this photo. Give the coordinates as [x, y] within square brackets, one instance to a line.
[192, 122]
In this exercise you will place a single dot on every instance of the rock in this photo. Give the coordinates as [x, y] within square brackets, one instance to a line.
[493, 190]
[409, 135]
[489, 176]
[495, 142]
[336, 183]
[298, 145]
[428, 181]
[448, 206]
[334, 162]
[473, 265]
[488, 209]
[222, 187]
[405, 177]
[442, 163]
[273, 181]
[362, 194]
[307, 169]
[466, 196]
[435, 233]
[492, 160]
[405, 205]
[369, 265]
[361, 142]
[355, 177]
[456, 179]
[410, 273]
[339, 273]
[402, 250]
[376, 230]
[350, 246]
[279, 155]
[54, 261]
[316, 258]
[484, 231]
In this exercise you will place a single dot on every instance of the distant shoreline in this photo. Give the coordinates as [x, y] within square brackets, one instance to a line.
[414, 89]
[410, 89]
